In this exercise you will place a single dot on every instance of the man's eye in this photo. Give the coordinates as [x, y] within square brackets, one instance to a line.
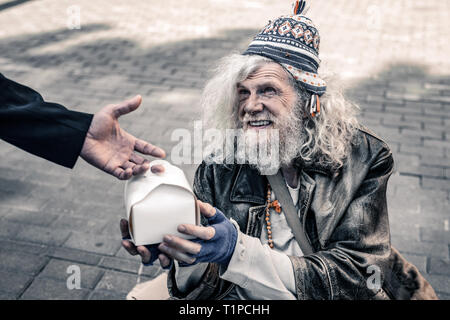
[243, 92]
[270, 90]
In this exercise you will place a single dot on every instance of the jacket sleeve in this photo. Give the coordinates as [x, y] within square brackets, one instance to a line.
[203, 182]
[358, 248]
[200, 281]
[45, 129]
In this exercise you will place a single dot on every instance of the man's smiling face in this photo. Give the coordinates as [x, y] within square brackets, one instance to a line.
[265, 97]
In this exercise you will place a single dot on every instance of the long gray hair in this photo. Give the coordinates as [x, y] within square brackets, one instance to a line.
[325, 138]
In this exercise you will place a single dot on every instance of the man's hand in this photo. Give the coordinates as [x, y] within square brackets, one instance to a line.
[148, 254]
[111, 149]
[214, 243]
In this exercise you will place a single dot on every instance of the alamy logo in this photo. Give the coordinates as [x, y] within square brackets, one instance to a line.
[374, 281]
[74, 278]
[74, 17]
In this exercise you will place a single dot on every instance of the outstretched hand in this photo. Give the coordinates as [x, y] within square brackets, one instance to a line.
[110, 148]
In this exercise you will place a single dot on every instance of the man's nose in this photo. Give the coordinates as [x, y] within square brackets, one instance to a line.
[254, 104]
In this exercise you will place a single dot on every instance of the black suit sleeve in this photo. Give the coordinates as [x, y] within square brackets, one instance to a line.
[45, 129]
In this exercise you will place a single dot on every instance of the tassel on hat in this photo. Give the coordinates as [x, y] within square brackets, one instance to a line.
[314, 108]
[299, 7]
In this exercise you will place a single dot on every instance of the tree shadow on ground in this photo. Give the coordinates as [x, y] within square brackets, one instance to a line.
[11, 4]
[120, 55]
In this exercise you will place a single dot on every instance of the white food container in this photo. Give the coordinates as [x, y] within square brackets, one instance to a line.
[157, 203]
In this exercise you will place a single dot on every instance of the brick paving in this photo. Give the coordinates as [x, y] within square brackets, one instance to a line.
[392, 59]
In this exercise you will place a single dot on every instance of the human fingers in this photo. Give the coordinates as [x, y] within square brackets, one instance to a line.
[140, 168]
[126, 106]
[122, 174]
[128, 165]
[164, 260]
[141, 164]
[201, 232]
[123, 224]
[137, 159]
[144, 253]
[126, 244]
[129, 247]
[148, 149]
[182, 245]
[175, 254]
[157, 168]
[206, 209]
[143, 167]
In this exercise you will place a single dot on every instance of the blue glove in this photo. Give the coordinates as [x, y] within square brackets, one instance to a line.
[154, 253]
[219, 248]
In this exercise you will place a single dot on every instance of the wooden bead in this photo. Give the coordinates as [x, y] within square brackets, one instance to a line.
[275, 205]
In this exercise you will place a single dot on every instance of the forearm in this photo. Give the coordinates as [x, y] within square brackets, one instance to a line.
[45, 129]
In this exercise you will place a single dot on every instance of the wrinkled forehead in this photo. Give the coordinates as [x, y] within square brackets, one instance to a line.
[269, 70]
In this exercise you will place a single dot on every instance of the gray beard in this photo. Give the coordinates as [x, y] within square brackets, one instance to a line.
[288, 146]
[267, 150]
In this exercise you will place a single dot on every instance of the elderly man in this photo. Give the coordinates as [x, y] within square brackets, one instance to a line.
[335, 173]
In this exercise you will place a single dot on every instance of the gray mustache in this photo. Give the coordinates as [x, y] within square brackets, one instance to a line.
[266, 117]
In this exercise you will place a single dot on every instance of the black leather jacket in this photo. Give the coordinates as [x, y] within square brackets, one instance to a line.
[45, 129]
[344, 214]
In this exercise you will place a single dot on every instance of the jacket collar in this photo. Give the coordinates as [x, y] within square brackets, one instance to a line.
[249, 186]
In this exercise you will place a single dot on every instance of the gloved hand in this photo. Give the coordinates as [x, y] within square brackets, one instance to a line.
[214, 243]
[154, 254]
[219, 248]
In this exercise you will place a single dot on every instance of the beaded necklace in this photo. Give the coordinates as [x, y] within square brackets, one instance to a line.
[270, 204]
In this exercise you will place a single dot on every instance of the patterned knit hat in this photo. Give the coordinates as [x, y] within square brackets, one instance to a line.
[292, 41]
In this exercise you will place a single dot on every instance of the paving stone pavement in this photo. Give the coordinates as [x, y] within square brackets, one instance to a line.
[392, 60]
